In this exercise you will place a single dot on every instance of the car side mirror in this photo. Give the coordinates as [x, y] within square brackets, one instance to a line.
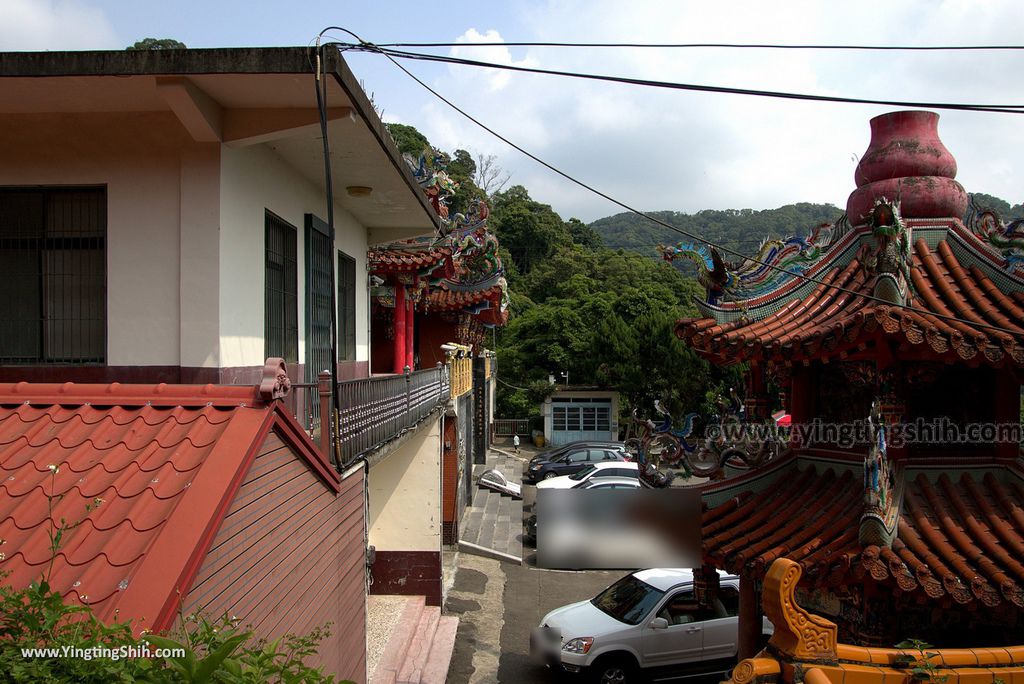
[659, 623]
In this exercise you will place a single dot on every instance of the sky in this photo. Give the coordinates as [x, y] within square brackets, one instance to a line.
[652, 149]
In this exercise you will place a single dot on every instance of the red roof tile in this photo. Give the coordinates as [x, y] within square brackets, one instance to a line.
[832, 322]
[962, 538]
[440, 299]
[407, 260]
[166, 460]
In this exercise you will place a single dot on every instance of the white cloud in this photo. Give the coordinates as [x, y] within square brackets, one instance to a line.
[686, 151]
[54, 25]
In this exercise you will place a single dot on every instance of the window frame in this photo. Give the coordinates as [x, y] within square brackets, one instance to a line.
[60, 339]
[287, 347]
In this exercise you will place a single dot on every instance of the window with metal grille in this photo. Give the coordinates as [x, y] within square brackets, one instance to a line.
[281, 326]
[346, 307]
[318, 298]
[53, 261]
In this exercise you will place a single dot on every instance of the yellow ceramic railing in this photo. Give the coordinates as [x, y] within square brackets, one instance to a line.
[460, 363]
[804, 648]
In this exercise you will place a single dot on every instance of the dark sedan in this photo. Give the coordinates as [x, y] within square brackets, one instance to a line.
[571, 461]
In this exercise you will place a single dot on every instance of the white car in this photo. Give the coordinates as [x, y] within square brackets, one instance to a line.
[649, 620]
[601, 469]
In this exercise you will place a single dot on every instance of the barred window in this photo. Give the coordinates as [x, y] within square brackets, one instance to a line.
[281, 321]
[53, 260]
[346, 307]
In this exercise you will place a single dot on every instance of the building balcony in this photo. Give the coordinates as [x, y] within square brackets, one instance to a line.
[373, 411]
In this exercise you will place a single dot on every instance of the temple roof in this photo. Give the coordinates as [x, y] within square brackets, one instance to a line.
[409, 260]
[952, 273]
[959, 538]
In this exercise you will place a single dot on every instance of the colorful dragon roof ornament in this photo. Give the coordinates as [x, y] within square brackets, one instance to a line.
[777, 261]
[467, 274]
[433, 178]
[1007, 239]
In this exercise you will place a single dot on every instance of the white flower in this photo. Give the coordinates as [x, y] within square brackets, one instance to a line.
[53, 468]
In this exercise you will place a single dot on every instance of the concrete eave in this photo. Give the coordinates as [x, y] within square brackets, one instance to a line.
[180, 76]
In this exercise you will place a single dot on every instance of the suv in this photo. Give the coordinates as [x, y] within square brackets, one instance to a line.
[647, 621]
[571, 461]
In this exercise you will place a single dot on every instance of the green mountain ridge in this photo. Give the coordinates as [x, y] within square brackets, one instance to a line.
[740, 230]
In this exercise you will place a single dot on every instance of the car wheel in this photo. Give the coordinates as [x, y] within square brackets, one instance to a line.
[550, 474]
[614, 670]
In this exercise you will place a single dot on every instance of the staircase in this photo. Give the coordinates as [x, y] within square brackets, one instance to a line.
[419, 646]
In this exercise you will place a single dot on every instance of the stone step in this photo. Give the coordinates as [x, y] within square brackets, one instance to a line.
[435, 670]
[390, 663]
[411, 671]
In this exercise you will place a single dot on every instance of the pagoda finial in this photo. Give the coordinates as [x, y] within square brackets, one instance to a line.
[907, 160]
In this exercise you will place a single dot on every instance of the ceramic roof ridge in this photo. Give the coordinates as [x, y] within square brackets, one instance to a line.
[118, 394]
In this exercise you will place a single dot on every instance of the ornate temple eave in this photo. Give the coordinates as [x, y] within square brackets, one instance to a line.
[959, 537]
[950, 275]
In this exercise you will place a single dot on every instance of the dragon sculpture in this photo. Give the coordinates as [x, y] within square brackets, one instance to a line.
[890, 260]
[712, 271]
[1007, 239]
[776, 261]
[433, 179]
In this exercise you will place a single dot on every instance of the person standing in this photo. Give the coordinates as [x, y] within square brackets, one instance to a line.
[515, 442]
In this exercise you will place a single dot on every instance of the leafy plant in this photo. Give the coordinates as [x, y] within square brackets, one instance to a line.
[921, 667]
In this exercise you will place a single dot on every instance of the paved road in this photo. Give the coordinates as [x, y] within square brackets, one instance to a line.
[498, 604]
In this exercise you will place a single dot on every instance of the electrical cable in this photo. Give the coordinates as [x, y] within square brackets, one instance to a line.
[320, 85]
[599, 193]
[757, 46]
[398, 54]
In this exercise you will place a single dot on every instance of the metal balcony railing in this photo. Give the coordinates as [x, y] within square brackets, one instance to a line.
[376, 410]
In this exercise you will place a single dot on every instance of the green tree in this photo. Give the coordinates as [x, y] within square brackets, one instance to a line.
[408, 139]
[157, 44]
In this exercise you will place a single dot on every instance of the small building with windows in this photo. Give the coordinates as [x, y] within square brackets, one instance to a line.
[578, 412]
[163, 215]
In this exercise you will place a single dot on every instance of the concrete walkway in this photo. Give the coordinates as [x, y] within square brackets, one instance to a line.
[494, 521]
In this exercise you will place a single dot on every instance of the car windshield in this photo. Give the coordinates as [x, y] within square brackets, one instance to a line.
[583, 474]
[628, 600]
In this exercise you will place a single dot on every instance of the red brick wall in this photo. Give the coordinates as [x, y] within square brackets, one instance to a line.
[289, 557]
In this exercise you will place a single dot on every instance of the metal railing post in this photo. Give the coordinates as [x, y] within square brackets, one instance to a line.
[324, 389]
[408, 383]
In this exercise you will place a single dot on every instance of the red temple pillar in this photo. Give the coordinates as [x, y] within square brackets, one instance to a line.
[410, 318]
[398, 358]
[757, 402]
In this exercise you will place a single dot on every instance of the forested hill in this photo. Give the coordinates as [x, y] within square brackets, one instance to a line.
[738, 229]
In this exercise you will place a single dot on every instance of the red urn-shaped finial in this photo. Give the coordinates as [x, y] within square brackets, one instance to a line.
[906, 161]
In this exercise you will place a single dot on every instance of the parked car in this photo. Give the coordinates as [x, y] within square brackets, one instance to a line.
[599, 470]
[554, 452]
[613, 483]
[649, 622]
[571, 461]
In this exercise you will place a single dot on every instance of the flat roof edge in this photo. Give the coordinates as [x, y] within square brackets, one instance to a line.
[269, 60]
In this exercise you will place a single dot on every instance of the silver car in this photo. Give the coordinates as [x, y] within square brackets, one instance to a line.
[648, 621]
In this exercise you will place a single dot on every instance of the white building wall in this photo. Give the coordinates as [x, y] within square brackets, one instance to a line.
[254, 180]
[137, 156]
[405, 494]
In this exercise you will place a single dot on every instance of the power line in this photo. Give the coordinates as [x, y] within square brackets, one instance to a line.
[755, 46]
[697, 238]
[648, 83]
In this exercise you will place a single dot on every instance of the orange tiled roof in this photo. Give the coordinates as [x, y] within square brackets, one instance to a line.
[960, 538]
[831, 322]
[394, 260]
[165, 459]
[440, 299]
